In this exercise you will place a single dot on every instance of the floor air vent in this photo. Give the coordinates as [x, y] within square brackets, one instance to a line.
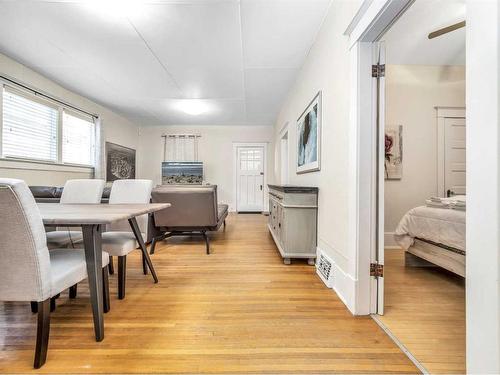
[324, 268]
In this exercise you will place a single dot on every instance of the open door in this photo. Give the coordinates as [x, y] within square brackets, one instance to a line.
[377, 266]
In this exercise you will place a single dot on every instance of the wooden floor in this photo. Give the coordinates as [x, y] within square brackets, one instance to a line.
[425, 310]
[238, 310]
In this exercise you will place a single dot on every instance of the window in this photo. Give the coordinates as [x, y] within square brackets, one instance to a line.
[29, 128]
[78, 139]
[181, 147]
[40, 129]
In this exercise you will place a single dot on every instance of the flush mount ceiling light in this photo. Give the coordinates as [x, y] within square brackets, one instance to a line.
[117, 8]
[193, 107]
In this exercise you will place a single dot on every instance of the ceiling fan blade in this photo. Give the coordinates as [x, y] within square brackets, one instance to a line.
[446, 30]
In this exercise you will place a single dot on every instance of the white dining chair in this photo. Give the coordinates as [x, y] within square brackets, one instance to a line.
[119, 240]
[28, 271]
[83, 191]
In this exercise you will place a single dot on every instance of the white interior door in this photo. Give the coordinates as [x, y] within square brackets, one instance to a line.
[454, 156]
[250, 178]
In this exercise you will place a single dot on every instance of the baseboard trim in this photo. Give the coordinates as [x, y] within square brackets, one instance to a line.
[389, 241]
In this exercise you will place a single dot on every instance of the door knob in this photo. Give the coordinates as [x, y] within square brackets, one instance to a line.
[260, 187]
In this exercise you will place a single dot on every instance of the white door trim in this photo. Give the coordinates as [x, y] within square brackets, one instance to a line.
[374, 17]
[264, 145]
[442, 114]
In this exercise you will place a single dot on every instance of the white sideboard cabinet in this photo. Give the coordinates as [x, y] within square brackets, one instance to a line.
[293, 217]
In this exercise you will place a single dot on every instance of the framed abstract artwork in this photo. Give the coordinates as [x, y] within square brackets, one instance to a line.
[120, 162]
[393, 153]
[309, 137]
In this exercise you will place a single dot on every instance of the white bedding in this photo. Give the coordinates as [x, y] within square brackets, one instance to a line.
[440, 225]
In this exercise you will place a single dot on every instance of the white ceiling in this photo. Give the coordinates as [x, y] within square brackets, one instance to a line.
[407, 42]
[240, 56]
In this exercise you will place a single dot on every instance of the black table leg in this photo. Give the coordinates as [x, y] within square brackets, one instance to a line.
[93, 256]
[142, 245]
[144, 265]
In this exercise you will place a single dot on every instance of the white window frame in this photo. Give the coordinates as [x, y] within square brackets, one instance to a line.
[31, 95]
[83, 117]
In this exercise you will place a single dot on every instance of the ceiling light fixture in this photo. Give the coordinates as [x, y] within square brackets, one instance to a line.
[193, 107]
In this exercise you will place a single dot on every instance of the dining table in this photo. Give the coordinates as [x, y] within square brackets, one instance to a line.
[92, 218]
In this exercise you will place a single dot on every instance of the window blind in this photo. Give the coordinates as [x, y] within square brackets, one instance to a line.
[78, 139]
[29, 128]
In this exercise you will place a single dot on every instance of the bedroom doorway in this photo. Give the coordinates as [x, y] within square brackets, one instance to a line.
[420, 81]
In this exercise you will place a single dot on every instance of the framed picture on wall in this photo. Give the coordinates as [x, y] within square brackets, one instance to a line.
[393, 153]
[309, 137]
[120, 162]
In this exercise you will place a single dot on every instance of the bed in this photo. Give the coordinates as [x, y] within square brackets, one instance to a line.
[433, 236]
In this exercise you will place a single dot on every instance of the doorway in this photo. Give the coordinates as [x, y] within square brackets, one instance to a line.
[420, 236]
[284, 155]
[250, 176]
[365, 29]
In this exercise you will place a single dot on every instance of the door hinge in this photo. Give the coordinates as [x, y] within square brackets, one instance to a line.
[376, 270]
[378, 70]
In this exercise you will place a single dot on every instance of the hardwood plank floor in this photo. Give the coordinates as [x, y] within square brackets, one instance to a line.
[425, 310]
[238, 310]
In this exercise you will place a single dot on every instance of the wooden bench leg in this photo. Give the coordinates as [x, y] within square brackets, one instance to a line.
[111, 266]
[122, 275]
[73, 290]
[53, 302]
[42, 333]
[105, 290]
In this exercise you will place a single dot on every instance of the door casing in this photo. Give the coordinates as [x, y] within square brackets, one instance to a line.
[444, 113]
[366, 28]
[236, 145]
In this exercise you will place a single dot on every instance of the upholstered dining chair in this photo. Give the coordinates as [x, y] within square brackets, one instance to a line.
[119, 240]
[28, 271]
[75, 192]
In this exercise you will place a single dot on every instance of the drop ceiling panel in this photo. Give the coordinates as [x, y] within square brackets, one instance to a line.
[128, 67]
[268, 82]
[279, 33]
[164, 51]
[199, 43]
[74, 37]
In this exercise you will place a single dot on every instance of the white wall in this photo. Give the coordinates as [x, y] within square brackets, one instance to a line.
[117, 129]
[327, 68]
[483, 187]
[412, 92]
[215, 149]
